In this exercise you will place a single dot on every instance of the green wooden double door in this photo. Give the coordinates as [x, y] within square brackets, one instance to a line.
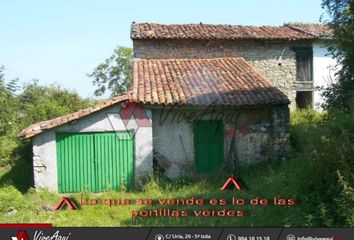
[94, 162]
[208, 145]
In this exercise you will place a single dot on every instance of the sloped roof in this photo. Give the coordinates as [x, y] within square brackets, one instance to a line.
[39, 127]
[219, 81]
[195, 82]
[316, 30]
[213, 32]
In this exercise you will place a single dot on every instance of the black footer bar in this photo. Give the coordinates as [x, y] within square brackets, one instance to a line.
[85, 233]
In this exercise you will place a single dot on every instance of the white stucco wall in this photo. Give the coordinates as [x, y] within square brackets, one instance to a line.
[175, 139]
[323, 71]
[44, 145]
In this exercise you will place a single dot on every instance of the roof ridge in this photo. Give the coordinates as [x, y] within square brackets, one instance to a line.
[182, 59]
[202, 31]
[202, 24]
[317, 30]
[300, 30]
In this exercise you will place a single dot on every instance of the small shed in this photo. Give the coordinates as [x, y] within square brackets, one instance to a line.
[189, 115]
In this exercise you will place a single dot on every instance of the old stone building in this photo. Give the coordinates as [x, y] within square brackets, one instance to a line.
[282, 54]
[203, 98]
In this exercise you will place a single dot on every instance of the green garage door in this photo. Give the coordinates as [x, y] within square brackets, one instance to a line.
[94, 162]
[208, 145]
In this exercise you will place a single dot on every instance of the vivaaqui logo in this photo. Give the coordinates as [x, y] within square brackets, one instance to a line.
[130, 110]
[130, 118]
[21, 235]
[40, 235]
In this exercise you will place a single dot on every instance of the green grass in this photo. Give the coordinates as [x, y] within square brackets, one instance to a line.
[317, 176]
[266, 181]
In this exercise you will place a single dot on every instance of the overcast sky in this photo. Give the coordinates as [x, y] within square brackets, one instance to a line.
[61, 41]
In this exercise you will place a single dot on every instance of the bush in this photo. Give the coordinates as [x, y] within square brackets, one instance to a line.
[20, 107]
[326, 143]
[34, 103]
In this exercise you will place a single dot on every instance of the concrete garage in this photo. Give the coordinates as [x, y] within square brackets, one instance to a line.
[95, 149]
[191, 115]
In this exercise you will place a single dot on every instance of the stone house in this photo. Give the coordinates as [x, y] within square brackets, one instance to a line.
[292, 56]
[203, 97]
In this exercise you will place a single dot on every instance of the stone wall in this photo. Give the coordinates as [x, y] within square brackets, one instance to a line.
[250, 135]
[273, 59]
[280, 124]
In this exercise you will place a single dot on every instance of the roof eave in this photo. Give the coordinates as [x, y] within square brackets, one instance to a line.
[40, 127]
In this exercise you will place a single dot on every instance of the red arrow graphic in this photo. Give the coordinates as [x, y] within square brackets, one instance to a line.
[62, 201]
[230, 181]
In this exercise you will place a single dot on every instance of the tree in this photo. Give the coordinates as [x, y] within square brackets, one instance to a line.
[8, 103]
[114, 75]
[341, 46]
[20, 107]
[8, 117]
[39, 103]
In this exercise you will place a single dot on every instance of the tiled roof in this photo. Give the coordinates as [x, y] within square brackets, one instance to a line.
[316, 30]
[210, 31]
[198, 82]
[219, 81]
[39, 127]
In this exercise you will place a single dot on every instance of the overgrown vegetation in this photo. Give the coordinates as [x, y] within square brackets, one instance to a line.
[21, 106]
[326, 143]
[319, 175]
[341, 46]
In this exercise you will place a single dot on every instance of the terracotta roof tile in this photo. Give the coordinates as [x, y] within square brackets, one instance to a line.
[210, 31]
[316, 30]
[220, 81]
[199, 82]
